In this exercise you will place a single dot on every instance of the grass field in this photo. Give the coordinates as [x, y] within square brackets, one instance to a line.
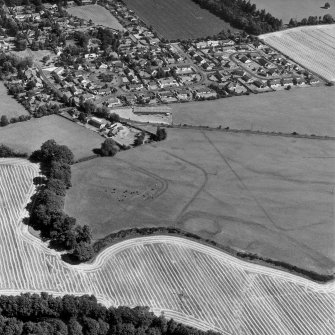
[28, 136]
[306, 111]
[266, 195]
[99, 15]
[8, 105]
[37, 55]
[188, 281]
[175, 19]
[312, 47]
[299, 9]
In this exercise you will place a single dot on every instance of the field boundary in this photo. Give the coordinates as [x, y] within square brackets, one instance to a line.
[253, 132]
[102, 245]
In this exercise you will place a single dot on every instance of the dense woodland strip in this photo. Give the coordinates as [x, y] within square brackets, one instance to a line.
[46, 207]
[243, 15]
[33, 314]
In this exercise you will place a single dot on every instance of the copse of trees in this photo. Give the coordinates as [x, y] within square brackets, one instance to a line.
[9, 63]
[109, 147]
[45, 110]
[108, 39]
[46, 210]
[52, 152]
[160, 134]
[4, 121]
[69, 315]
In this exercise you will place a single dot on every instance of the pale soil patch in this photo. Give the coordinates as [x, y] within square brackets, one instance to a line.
[98, 14]
[8, 105]
[295, 9]
[267, 195]
[305, 110]
[29, 136]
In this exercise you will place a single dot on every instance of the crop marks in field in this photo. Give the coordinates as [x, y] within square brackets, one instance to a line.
[313, 47]
[188, 281]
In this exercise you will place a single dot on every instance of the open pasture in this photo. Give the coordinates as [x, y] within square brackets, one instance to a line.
[8, 105]
[190, 282]
[312, 47]
[29, 136]
[175, 19]
[305, 110]
[98, 14]
[122, 194]
[262, 194]
[295, 9]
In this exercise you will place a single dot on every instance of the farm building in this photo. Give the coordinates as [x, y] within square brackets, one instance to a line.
[96, 122]
[152, 110]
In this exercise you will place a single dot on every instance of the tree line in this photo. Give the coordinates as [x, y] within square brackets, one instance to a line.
[6, 152]
[137, 232]
[311, 20]
[241, 14]
[44, 314]
[46, 208]
[4, 121]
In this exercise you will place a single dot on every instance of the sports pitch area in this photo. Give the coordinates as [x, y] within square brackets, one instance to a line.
[267, 195]
[295, 9]
[99, 15]
[192, 283]
[175, 19]
[312, 47]
[29, 136]
[304, 110]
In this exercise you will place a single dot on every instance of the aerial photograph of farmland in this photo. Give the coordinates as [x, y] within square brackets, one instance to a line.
[167, 167]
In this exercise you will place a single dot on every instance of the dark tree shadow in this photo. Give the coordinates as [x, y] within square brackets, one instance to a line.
[68, 258]
[97, 151]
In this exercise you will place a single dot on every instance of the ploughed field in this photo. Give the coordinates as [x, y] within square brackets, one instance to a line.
[268, 195]
[311, 46]
[175, 19]
[190, 282]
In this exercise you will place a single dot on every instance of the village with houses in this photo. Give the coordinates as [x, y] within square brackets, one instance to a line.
[90, 72]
